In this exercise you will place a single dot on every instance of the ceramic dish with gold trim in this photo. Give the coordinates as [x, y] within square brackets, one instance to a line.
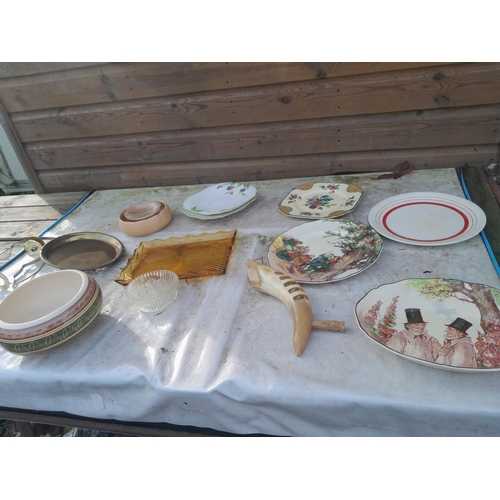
[48, 311]
[219, 198]
[321, 200]
[323, 251]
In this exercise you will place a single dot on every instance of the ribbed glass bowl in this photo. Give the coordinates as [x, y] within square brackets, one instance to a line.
[153, 291]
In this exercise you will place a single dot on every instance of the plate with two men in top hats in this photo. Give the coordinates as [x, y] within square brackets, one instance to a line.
[441, 323]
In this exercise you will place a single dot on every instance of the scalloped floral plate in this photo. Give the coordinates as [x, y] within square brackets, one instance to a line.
[461, 321]
[324, 251]
[321, 200]
[201, 216]
[219, 198]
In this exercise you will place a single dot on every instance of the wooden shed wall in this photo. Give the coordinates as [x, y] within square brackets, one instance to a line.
[86, 126]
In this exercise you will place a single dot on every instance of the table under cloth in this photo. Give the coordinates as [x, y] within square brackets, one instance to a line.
[221, 356]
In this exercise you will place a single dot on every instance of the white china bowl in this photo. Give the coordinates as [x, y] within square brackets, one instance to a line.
[153, 291]
[49, 310]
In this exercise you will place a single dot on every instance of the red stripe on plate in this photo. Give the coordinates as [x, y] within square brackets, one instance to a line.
[464, 217]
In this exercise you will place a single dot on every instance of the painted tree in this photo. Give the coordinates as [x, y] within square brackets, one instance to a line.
[360, 247]
[484, 298]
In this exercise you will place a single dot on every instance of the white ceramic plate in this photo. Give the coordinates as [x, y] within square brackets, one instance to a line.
[473, 308]
[324, 251]
[321, 200]
[219, 198]
[195, 215]
[427, 219]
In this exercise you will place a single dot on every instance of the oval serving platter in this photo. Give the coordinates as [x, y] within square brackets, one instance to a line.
[325, 251]
[219, 198]
[427, 219]
[321, 200]
[441, 323]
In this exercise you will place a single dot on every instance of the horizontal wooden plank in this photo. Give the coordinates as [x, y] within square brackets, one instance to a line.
[435, 128]
[32, 213]
[22, 229]
[416, 89]
[58, 201]
[13, 69]
[127, 81]
[253, 169]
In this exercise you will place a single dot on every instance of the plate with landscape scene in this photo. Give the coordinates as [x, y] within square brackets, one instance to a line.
[321, 200]
[324, 251]
[441, 323]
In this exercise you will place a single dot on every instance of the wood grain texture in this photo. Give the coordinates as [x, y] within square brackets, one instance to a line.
[46, 213]
[83, 126]
[247, 170]
[60, 201]
[415, 89]
[429, 129]
[14, 69]
[125, 81]
[22, 229]
[22, 216]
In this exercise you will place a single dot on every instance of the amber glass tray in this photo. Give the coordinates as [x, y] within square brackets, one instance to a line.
[191, 256]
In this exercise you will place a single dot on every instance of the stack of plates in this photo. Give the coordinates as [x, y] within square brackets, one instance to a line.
[219, 200]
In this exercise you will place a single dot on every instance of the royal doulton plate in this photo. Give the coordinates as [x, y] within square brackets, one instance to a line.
[219, 198]
[321, 200]
[325, 250]
[427, 219]
[441, 323]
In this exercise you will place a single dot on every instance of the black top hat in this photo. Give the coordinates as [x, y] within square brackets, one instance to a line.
[461, 325]
[414, 316]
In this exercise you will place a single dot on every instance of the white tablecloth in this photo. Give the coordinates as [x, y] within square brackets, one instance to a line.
[222, 355]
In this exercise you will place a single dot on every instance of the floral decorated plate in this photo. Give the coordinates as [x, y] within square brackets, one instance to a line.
[219, 198]
[427, 219]
[324, 251]
[441, 323]
[321, 200]
[201, 216]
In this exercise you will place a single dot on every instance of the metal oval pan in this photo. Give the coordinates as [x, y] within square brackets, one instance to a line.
[82, 251]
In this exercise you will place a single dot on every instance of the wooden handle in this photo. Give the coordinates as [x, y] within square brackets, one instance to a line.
[333, 326]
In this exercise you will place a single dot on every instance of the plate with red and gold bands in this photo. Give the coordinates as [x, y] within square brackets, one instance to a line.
[427, 219]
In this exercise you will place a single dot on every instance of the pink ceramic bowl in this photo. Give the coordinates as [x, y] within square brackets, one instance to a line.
[140, 223]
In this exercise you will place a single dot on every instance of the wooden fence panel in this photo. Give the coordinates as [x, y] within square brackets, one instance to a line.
[437, 128]
[247, 170]
[125, 81]
[420, 89]
[14, 69]
[84, 126]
